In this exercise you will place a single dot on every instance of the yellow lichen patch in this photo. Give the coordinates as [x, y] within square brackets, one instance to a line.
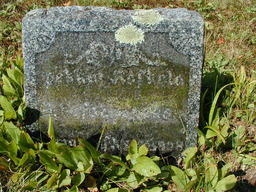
[147, 17]
[129, 34]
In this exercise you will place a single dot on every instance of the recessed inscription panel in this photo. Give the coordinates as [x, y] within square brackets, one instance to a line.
[93, 82]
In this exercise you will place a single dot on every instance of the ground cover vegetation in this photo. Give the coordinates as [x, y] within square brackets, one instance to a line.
[225, 156]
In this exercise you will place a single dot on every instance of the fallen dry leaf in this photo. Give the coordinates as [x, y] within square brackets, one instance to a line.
[95, 189]
[67, 4]
[241, 56]
[220, 41]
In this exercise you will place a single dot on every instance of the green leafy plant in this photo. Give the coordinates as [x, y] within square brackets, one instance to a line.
[12, 105]
[137, 172]
[204, 176]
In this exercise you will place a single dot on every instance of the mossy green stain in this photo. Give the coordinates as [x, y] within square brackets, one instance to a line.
[128, 95]
[125, 96]
[143, 131]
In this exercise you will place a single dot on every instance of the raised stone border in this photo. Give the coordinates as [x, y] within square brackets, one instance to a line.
[185, 29]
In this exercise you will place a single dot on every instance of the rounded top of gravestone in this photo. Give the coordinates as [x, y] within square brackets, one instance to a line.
[74, 12]
[183, 25]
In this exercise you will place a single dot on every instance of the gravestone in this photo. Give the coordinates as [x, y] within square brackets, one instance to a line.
[114, 74]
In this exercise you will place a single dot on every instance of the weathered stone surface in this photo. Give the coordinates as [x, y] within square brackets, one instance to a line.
[126, 74]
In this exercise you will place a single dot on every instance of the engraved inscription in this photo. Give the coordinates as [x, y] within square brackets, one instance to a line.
[119, 76]
[99, 52]
[101, 80]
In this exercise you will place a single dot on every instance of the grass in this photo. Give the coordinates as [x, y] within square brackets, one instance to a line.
[228, 120]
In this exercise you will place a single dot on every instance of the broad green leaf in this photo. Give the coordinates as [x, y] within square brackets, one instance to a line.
[16, 75]
[12, 151]
[146, 167]
[133, 147]
[64, 178]
[132, 181]
[105, 185]
[179, 177]
[21, 113]
[52, 146]
[202, 112]
[4, 164]
[88, 167]
[165, 172]
[248, 159]
[52, 182]
[56, 147]
[238, 136]
[48, 162]
[26, 142]
[7, 87]
[9, 111]
[201, 138]
[135, 180]
[214, 104]
[225, 170]
[117, 190]
[27, 157]
[67, 158]
[14, 158]
[133, 152]
[211, 175]
[24, 159]
[114, 159]
[38, 146]
[189, 154]
[41, 177]
[242, 75]
[12, 131]
[210, 134]
[3, 145]
[216, 120]
[208, 159]
[94, 153]
[153, 189]
[113, 190]
[190, 184]
[132, 158]
[113, 170]
[240, 132]
[226, 183]
[51, 129]
[143, 150]
[82, 154]
[155, 158]
[15, 177]
[165, 168]
[163, 175]
[80, 166]
[78, 179]
[73, 189]
[13, 148]
[30, 186]
[19, 63]
[90, 181]
[1, 116]
[225, 128]
[192, 174]
[216, 131]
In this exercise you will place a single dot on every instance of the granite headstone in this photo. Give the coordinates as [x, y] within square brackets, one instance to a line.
[118, 74]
